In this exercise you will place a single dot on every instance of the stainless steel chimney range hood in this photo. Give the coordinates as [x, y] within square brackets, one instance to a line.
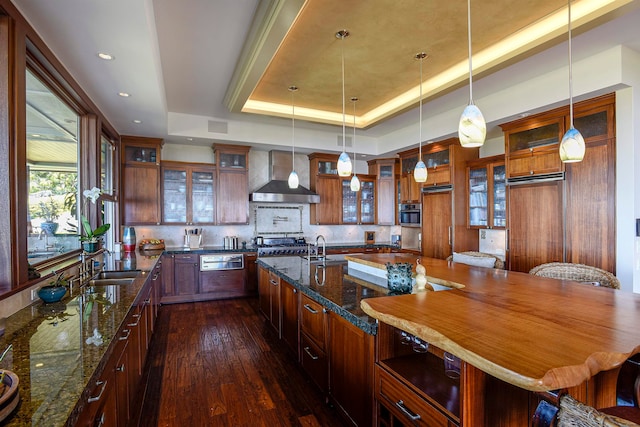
[277, 189]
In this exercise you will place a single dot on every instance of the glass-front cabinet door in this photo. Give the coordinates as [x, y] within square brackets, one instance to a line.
[499, 196]
[174, 196]
[188, 196]
[349, 203]
[478, 200]
[202, 197]
[487, 200]
[358, 207]
[367, 202]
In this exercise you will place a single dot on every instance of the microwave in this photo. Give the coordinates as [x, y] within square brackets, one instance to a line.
[410, 214]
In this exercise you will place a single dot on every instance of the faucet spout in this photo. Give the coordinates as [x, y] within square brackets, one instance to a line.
[324, 245]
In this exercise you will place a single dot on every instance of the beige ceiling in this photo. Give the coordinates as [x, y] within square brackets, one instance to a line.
[385, 35]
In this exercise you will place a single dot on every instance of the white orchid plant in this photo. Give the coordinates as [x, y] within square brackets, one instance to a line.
[92, 236]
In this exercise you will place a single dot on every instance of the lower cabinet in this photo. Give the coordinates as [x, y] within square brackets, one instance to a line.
[115, 397]
[289, 301]
[351, 358]
[269, 297]
[184, 282]
[336, 355]
[314, 322]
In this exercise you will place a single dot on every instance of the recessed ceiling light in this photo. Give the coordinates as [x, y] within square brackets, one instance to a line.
[124, 94]
[189, 139]
[136, 121]
[106, 56]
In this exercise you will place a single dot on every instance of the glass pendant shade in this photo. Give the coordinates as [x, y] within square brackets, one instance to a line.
[344, 165]
[420, 172]
[472, 129]
[355, 183]
[572, 146]
[293, 180]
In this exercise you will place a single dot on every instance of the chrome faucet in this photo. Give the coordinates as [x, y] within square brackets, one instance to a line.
[324, 246]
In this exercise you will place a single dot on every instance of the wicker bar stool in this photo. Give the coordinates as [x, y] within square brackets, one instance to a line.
[468, 258]
[576, 414]
[578, 272]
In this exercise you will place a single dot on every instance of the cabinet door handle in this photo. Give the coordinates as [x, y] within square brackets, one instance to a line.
[120, 368]
[295, 291]
[311, 355]
[412, 416]
[273, 282]
[450, 244]
[311, 309]
[99, 396]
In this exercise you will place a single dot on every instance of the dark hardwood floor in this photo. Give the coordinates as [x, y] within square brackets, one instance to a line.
[219, 364]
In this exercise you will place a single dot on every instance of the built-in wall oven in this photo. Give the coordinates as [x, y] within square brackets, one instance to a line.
[411, 214]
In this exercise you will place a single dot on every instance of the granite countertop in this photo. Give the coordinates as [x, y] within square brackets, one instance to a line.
[50, 353]
[329, 285]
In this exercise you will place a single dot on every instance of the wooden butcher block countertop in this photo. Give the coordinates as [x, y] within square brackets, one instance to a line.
[536, 333]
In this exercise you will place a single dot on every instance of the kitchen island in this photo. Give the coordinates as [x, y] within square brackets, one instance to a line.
[511, 328]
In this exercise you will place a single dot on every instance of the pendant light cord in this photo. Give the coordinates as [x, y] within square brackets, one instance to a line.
[570, 71]
[344, 116]
[470, 62]
[353, 142]
[293, 130]
[420, 123]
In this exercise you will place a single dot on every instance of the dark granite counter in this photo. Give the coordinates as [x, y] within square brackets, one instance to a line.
[329, 285]
[51, 353]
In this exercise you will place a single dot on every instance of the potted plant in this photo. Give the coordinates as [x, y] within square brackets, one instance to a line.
[55, 290]
[91, 239]
[48, 210]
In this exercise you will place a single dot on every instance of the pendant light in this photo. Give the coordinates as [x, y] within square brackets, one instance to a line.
[572, 146]
[355, 181]
[344, 162]
[420, 171]
[293, 176]
[472, 129]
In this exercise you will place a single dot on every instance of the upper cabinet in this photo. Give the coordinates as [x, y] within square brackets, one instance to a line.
[140, 180]
[325, 181]
[386, 190]
[531, 146]
[575, 223]
[409, 188]
[188, 193]
[487, 201]
[232, 181]
[358, 207]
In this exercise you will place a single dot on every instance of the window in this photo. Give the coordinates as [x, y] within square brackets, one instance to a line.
[52, 153]
[107, 151]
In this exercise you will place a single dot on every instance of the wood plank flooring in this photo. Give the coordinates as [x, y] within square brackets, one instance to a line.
[218, 363]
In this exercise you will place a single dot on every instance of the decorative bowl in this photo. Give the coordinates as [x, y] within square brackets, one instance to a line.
[50, 294]
[9, 396]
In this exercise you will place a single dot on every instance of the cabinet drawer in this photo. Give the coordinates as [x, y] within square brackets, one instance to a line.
[222, 281]
[314, 362]
[404, 403]
[313, 321]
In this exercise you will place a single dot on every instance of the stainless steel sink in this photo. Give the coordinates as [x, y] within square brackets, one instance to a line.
[328, 259]
[128, 274]
[114, 278]
[105, 282]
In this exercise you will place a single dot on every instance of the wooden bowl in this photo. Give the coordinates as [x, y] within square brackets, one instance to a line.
[9, 396]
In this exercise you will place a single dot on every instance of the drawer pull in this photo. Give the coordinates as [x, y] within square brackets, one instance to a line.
[406, 411]
[314, 357]
[311, 309]
[99, 396]
[126, 334]
[273, 282]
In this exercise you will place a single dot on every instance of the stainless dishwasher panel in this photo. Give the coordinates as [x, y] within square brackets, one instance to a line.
[221, 262]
